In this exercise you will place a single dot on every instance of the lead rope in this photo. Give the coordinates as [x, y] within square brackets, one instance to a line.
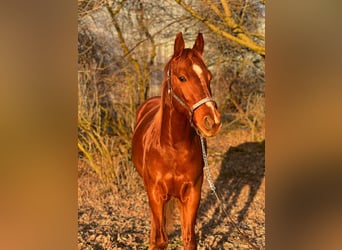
[213, 188]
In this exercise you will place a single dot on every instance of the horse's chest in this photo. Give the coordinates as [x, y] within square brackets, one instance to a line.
[178, 159]
[175, 161]
[183, 173]
[174, 171]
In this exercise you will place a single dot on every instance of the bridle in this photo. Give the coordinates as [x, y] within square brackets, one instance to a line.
[190, 109]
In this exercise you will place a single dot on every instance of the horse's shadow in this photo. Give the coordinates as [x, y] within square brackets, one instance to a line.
[241, 166]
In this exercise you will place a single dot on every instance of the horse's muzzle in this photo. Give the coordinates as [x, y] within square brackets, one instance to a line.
[207, 120]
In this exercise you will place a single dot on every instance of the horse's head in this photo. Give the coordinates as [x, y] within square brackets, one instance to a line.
[189, 84]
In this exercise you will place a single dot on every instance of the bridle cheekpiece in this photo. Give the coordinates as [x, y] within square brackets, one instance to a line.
[191, 109]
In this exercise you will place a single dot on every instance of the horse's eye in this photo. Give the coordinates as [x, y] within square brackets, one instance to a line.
[182, 79]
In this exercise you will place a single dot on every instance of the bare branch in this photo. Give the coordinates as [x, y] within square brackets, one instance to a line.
[238, 36]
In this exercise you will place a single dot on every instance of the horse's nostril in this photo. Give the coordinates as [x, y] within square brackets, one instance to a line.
[208, 122]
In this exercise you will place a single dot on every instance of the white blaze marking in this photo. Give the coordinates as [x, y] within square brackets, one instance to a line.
[197, 69]
[199, 72]
[212, 107]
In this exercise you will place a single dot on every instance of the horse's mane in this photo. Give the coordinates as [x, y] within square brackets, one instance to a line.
[155, 129]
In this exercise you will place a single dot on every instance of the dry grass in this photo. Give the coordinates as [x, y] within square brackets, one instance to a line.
[106, 152]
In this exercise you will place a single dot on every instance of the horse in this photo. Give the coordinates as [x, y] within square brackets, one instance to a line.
[166, 146]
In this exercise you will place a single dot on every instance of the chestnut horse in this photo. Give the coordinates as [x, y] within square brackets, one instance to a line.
[166, 144]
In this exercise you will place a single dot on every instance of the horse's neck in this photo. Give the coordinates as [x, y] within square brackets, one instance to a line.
[175, 127]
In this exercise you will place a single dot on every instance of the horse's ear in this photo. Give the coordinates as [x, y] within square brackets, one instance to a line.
[199, 44]
[179, 45]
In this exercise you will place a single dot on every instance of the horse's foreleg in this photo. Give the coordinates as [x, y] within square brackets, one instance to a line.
[188, 210]
[158, 236]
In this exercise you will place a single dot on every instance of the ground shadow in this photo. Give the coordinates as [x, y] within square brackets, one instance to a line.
[241, 166]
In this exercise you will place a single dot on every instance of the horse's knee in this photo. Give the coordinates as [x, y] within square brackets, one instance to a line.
[190, 245]
[189, 240]
[158, 237]
[158, 245]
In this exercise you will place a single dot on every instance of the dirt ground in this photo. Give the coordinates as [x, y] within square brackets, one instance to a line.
[120, 219]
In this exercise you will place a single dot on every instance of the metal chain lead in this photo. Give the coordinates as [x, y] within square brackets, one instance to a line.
[206, 166]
